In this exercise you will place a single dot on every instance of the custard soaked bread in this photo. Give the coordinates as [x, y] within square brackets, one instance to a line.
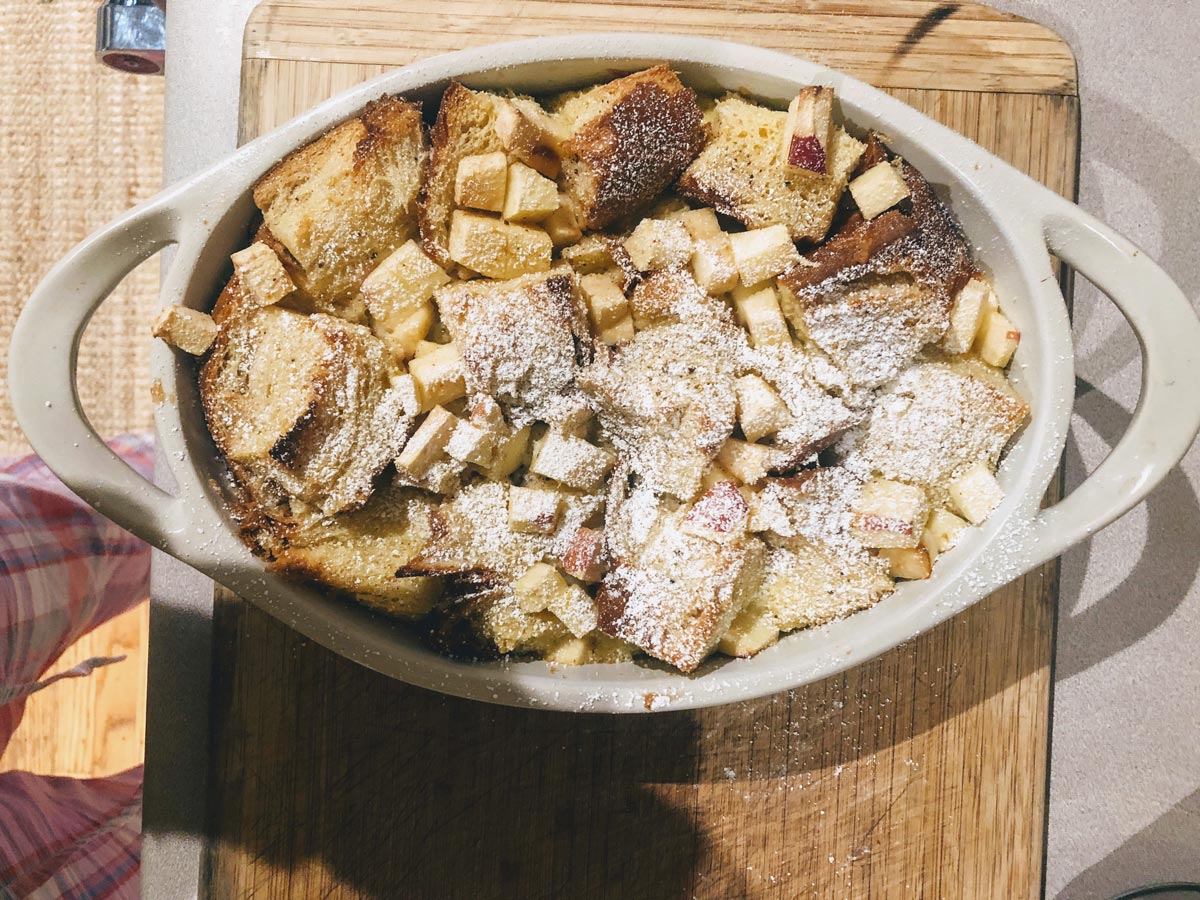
[623, 371]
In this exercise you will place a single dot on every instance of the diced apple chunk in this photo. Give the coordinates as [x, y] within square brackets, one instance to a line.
[878, 189]
[537, 586]
[533, 510]
[472, 443]
[942, 531]
[576, 610]
[998, 339]
[481, 180]
[763, 253]
[509, 454]
[713, 264]
[428, 442]
[425, 347]
[753, 629]
[571, 461]
[563, 225]
[591, 255]
[747, 462]
[889, 514]
[261, 274]
[808, 131]
[761, 411]
[187, 329]
[404, 338]
[618, 332]
[405, 387]
[911, 563]
[527, 132]
[400, 285]
[585, 557]
[720, 514]
[976, 493]
[702, 224]
[439, 376]
[498, 249]
[530, 197]
[658, 244]
[605, 300]
[966, 314]
[758, 310]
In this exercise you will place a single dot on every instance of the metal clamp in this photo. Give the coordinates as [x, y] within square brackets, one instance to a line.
[131, 35]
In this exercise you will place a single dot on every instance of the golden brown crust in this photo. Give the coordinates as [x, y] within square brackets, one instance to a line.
[616, 162]
[854, 246]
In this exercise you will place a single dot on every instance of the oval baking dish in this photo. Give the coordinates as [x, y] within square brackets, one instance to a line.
[1013, 223]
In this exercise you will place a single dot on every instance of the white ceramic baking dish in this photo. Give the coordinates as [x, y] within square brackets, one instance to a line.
[1013, 222]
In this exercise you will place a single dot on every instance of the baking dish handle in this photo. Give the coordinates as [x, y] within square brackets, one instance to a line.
[1167, 416]
[42, 371]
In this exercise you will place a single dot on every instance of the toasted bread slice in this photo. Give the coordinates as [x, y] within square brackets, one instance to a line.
[346, 200]
[521, 340]
[672, 295]
[815, 505]
[302, 405]
[806, 585]
[741, 172]
[680, 595]
[935, 421]
[667, 402]
[628, 140]
[360, 552]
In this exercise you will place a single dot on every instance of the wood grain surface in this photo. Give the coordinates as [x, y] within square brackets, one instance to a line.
[919, 774]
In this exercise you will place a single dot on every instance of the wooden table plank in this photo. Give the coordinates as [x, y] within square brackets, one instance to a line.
[919, 774]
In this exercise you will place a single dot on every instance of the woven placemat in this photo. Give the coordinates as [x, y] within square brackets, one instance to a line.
[79, 144]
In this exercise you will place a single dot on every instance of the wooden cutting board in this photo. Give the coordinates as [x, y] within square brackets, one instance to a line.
[919, 774]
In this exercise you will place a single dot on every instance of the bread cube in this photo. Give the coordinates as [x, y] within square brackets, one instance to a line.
[747, 462]
[763, 253]
[571, 461]
[405, 387]
[658, 244]
[998, 339]
[719, 514]
[941, 532]
[702, 224]
[575, 609]
[261, 274]
[585, 558]
[537, 586]
[530, 197]
[966, 315]
[808, 132]
[400, 285]
[758, 310]
[439, 376]
[889, 514]
[408, 334]
[911, 563]
[618, 332]
[753, 629]
[187, 329]
[575, 418]
[474, 443]
[529, 134]
[976, 493]
[562, 224]
[605, 300]
[428, 442]
[591, 255]
[510, 452]
[481, 181]
[878, 189]
[498, 249]
[761, 411]
[713, 265]
[533, 510]
[714, 475]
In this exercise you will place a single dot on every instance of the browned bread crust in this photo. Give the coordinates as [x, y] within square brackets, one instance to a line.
[630, 138]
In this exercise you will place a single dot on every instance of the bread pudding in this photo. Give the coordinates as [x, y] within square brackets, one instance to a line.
[628, 371]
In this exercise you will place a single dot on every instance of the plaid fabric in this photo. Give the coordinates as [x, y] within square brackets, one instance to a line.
[64, 569]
